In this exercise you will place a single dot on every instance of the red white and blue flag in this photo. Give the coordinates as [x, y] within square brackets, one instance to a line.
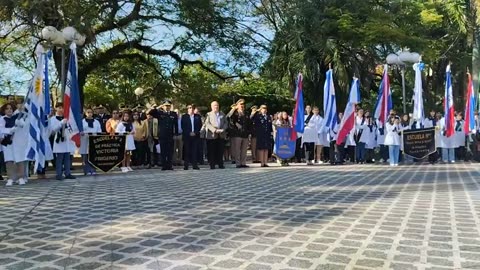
[384, 101]
[448, 105]
[470, 107]
[298, 119]
[329, 102]
[348, 120]
[71, 100]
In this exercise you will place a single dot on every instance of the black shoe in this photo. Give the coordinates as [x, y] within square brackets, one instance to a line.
[70, 177]
[59, 178]
[245, 166]
[164, 169]
[185, 168]
[239, 166]
[212, 167]
[265, 165]
[256, 161]
[196, 168]
[170, 168]
[221, 167]
[233, 162]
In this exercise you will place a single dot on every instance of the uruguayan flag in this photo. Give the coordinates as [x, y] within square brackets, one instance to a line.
[38, 145]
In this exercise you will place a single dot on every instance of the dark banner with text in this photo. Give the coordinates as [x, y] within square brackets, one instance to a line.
[105, 152]
[419, 143]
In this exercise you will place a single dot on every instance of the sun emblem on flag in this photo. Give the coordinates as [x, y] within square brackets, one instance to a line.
[38, 86]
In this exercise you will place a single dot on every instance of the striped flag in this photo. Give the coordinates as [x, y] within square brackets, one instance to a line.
[71, 106]
[348, 120]
[448, 105]
[298, 120]
[329, 102]
[38, 145]
[470, 107]
[384, 101]
[418, 111]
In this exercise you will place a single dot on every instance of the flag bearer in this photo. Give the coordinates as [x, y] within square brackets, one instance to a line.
[62, 146]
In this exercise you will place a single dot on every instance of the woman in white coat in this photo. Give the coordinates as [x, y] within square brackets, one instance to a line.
[392, 139]
[91, 126]
[310, 135]
[447, 144]
[371, 140]
[126, 127]
[8, 130]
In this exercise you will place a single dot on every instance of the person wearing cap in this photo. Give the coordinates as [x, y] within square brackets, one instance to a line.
[263, 132]
[191, 124]
[240, 126]
[216, 125]
[102, 117]
[253, 137]
[168, 127]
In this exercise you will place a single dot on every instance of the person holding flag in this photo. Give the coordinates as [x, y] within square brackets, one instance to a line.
[298, 119]
[469, 123]
[447, 123]
[62, 147]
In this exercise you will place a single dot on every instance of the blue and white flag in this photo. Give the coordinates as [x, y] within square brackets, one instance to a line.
[418, 111]
[38, 145]
[329, 102]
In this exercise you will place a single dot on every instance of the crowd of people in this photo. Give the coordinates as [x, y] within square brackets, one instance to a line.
[162, 137]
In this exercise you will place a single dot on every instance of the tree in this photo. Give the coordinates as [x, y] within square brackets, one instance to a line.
[172, 31]
[356, 36]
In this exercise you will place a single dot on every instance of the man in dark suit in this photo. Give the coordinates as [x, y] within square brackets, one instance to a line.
[191, 126]
[168, 127]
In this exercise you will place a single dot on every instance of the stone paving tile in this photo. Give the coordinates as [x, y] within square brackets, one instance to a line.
[316, 217]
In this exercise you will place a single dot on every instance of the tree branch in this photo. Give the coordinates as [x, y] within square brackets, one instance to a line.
[111, 24]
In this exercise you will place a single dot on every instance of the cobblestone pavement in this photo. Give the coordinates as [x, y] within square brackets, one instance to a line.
[298, 217]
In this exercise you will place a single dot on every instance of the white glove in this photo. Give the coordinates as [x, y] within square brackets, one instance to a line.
[64, 121]
[12, 130]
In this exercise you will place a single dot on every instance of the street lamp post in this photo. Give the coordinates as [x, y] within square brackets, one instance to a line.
[62, 39]
[401, 60]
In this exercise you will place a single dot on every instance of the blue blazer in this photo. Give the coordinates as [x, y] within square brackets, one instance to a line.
[187, 125]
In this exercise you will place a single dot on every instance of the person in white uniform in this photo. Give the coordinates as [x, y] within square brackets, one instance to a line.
[62, 145]
[126, 127]
[360, 136]
[447, 144]
[8, 130]
[310, 135]
[91, 126]
[392, 139]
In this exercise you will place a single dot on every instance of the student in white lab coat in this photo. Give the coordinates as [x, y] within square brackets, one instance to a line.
[8, 130]
[62, 145]
[127, 128]
[322, 138]
[392, 139]
[447, 144]
[310, 134]
[381, 132]
[91, 126]
[360, 136]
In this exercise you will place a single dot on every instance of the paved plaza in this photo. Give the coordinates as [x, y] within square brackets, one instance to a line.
[297, 217]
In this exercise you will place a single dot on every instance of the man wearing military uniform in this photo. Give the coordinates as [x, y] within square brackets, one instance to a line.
[168, 128]
[101, 116]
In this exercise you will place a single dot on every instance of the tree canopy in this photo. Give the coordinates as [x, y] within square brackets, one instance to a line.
[195, 51]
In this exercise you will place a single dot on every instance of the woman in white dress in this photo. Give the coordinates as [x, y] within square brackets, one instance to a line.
[14, 160]
[126, 127]
[460, 137]
[91, 126]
